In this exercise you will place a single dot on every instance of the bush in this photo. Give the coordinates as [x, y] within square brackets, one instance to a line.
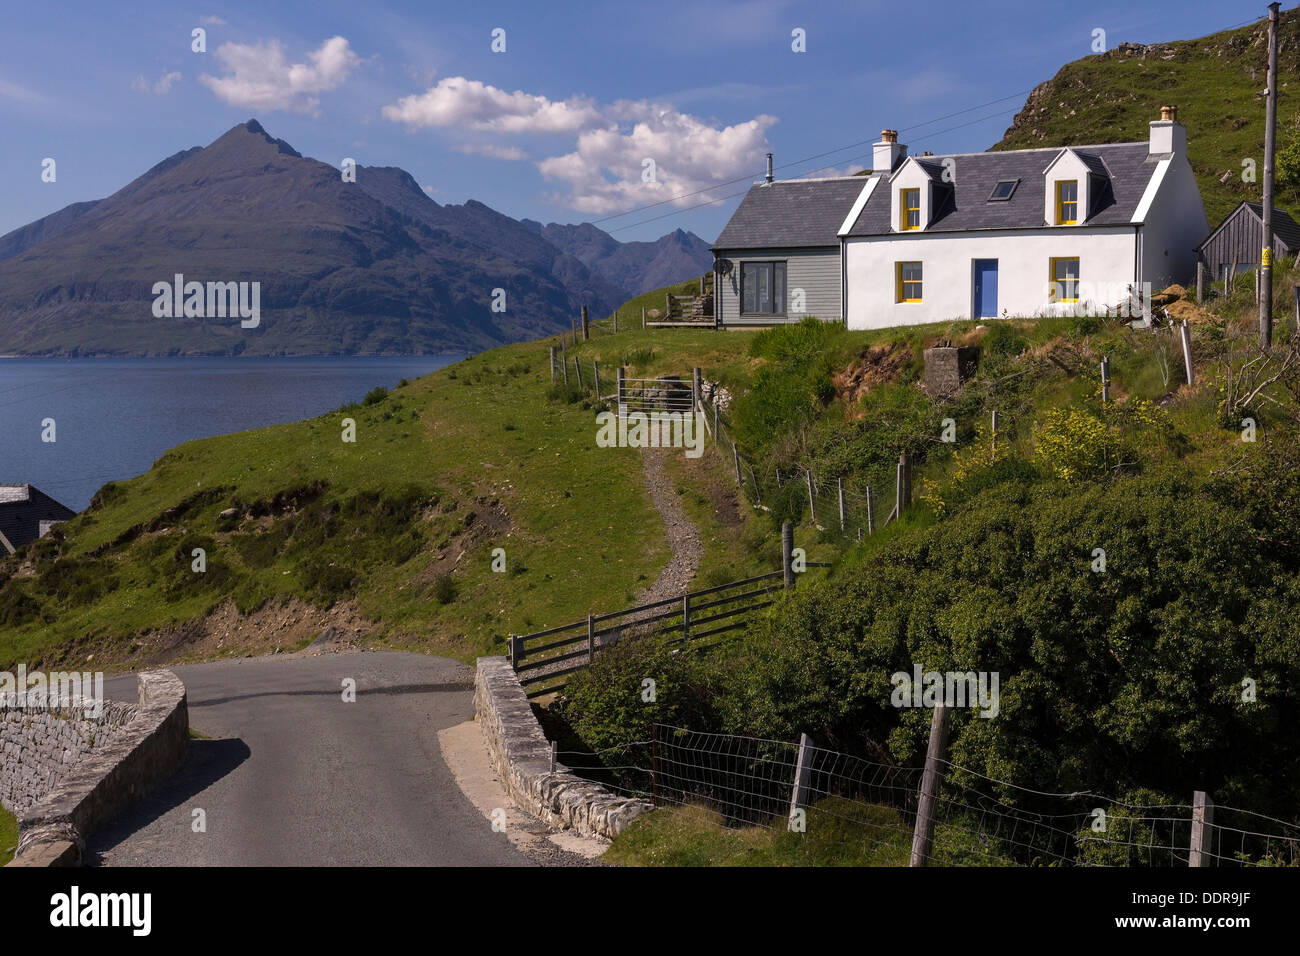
[444, 588]
[375, 395]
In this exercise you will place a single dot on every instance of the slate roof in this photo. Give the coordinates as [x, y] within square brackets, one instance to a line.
[1127, 166]
[791, 213]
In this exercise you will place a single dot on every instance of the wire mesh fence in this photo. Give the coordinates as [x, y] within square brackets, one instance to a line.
[978, 820]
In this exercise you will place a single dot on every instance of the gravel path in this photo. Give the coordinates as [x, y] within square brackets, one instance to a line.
[683, 536]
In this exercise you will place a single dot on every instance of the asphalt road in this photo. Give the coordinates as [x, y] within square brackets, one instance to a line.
[293, 775]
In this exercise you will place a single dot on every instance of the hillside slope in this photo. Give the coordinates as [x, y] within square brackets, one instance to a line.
[1215, 81]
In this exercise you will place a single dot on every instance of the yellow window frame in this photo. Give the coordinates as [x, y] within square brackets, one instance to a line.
[1053, 281]
[910, 203]
[1062, 202]
[900, 284]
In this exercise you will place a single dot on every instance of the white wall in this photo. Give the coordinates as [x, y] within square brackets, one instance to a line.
[1106, 255]
[1175, 225]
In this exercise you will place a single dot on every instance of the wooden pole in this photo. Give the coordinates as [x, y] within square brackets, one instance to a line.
[697, 379]
[802, 776]
[686, 618]
[931, 780]
[898, 487]
[595, 371]
[1230, 279]
[715, 406]
[654, 764]
[577, 367]
[1185, 333]
[787, 551]
[1270, 136]
[552, 364]
[643, 318]
[1200, 282]
[1202, 829]
[812, 505]
[994, 434]
[735, 452]
[871, 513]
[586, 327]
[1105, 379]
[615, 321]
[839, 488]
[619, 390]
[1295, 295]
[591, 639]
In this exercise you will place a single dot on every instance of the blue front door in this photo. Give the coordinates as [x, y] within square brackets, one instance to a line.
[986, 288]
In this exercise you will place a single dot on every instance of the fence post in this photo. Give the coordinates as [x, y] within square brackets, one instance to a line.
[586, 329]
[1202, 826]
[654, 757]
[735, 453]
[616, 320]
[1185, 333]
[1105, 380]
[516, 650]
[871, 513]
[1295, 295]
[1230, 279]
[552, 364]
[686, 618]
[577, 367]
[802, 776]
[619, 388]
[564, 360]
[1200, 282]
[595, 370]
[994, 434]
[903, 484]
[931, 780]
[812, 505]
[643, 318]
[787, 549]
[696, 378]
[715, 410]
[591, 640]
[839, 487]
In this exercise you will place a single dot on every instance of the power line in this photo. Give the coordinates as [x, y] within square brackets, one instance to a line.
[748, 177]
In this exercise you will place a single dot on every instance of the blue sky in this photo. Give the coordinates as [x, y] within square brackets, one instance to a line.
[558, 126]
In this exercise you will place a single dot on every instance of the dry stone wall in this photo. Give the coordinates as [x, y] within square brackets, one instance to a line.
[521, 756]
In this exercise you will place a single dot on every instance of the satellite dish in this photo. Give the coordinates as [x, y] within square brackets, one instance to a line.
[724, 266]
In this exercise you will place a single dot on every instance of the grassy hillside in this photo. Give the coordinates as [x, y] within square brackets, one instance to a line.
[1214, 81]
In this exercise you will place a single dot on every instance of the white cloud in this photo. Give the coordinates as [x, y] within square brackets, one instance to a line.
[259, 76]
[491, 150]
[162, 87]
[212, 20]
[429, 190]
[831, 172]
[470, 104]
[604, 173]
[21, 94]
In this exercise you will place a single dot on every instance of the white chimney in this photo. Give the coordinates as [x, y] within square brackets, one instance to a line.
[1167, 134]
[888, 153]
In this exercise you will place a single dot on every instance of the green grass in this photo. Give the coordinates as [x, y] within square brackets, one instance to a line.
[839, 833]
[1111, 98]
[8, 836]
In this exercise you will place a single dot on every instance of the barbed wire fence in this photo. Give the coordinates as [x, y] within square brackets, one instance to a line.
[751, 782]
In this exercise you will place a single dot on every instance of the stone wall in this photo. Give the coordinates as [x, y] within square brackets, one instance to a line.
[521, 755]
[947, 368]
[97, 784]
[39, 744]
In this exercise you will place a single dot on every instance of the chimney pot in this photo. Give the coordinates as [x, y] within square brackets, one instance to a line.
[769, 168]
[1169, 112]
[889, 136]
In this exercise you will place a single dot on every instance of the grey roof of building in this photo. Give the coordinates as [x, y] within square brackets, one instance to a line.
[1126, 166]
[791, 213]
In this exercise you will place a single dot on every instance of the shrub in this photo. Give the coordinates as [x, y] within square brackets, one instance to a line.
[444, 588]
[375, 395]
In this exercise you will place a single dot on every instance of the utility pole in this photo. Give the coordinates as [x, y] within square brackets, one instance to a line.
[1270, 133]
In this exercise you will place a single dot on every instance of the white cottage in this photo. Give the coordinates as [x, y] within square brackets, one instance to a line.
[1019, 233]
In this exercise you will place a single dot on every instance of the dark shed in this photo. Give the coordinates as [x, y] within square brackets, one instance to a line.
[1238, 239]
[27, 513]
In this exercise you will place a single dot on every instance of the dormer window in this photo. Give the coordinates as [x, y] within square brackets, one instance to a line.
[910, 207]
[1003, 190]
[1067, 202]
